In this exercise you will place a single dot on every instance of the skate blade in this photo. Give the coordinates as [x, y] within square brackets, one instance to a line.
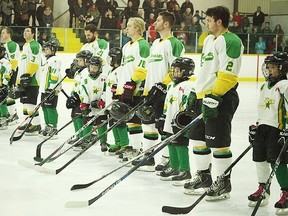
[281, 211]
[215, 198]
[253, 203]
[198, 191]
[180, 183]
[146, 169]
[31, 134]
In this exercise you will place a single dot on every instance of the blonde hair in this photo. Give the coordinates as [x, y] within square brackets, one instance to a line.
[138, 23]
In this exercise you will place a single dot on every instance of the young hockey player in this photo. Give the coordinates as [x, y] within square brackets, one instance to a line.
[5, 76]
[77, 71]
[177, 92]
[50, 78]
[270, 132]
[92, 96]
[120, 132]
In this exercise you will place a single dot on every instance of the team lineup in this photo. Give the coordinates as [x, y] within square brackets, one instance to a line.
[142, 93]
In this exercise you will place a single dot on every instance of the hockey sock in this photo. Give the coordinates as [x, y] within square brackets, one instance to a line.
[183, 156]
[52, 116]
[135, 133]
[282, 175]
[174, 162]
[11, 105]
[28, 109]
[123, 135]
[78, 123]
[263, 171]
[222, 160]
[202, 155]
[116, 136]
[45, 114]
[3, 110]
[101, 130]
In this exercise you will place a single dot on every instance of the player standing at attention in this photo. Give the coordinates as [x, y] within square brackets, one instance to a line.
[217, 99]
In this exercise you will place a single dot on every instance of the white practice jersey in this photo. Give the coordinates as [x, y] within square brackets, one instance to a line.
[51, 74]
[273, 104]
[79, 75]
[175, 101]
[13, 53]
[111, 79]
[92, 89]
[162, 53]
[5, 71]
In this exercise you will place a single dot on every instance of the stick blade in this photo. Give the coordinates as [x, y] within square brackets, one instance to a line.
[176, 210]
[76, 204]
[26, 164]
[38, 159]
[44, 170]
[77, 187]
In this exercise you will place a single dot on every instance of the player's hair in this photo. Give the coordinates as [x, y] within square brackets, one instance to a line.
[138, 23]
[33, 30]
[8, 29]
[219, 12]
[167, 17]
[91, 27]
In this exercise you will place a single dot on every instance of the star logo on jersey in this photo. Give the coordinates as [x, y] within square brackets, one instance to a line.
[96, 90]
[268, 102]
[110, 83]
[172, 99]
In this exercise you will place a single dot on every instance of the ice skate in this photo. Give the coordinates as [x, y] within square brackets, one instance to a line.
[33, 130]
[3, 123]
[168, 174]
[220, 189]
[148, 166]
[13, 119]
[253, 198]
[48, 131]
[182, 178]
[282, 205]
[201, 181]
[104, 147]
[113, 148]
[164, 164]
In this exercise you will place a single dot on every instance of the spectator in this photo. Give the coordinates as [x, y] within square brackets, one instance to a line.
[199, 17]
[178, 15]
[279, 33]
[236, 28]
[145, 6]
[267, 33]
[71, 4]
[109, 21]
[196, 31]
[39, 14]
[152, 8]
[135, 4]
[42, 38]
[111, 5]
[283, 47]
[187, 4]
[80, 13]
[245, 23]
[101, 6]
[187, 17]
[32, 11]
[130, 11]
[152, 34]
[182, 33]
[171, 4]
[21, 17]
[87, 3]
[6, 7]
[258, 18]
[237, 18]
[254, 35]
[260, 46]
[93, 15]
[48, 17]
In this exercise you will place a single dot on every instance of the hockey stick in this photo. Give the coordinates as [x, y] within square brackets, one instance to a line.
[78, 204]
[57, 171]
[272, 173]
[32, 115]
[186, 210]
[82, 186]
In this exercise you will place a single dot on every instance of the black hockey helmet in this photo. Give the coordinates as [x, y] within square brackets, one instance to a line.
[116, 55]
[85, 55]
[186, 69]
[119, 110]
[2, 50]
[281, 60]
[145, 112]
[53, 44]
[95, 61]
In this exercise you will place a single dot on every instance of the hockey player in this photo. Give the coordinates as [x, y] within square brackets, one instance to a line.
[13, 54]
[135, 55]
[92, 96]
[216, 97]
[77, 71]
[51, 76]
[163, 52]
[177, 92]
[270, 132]
[5, 76]
[120, 132]
[28, 78]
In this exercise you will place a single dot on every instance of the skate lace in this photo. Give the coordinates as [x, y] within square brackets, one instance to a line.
[284, 197]
[218, 184]
[259, 191]
[196, 179]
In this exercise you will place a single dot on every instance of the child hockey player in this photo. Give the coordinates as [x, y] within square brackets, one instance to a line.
[176, 99]
[5, 75]
[120, 132]
[270, 133]
[92, 97]
[50, 78]
[73, 102]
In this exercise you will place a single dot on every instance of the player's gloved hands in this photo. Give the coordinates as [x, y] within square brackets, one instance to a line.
[129, 87]
[156, 94]
[283, 136]
[113, 90]
[15, 92]
[73, 101]
[98, 104]
[25, 80]
[210, 105]
[3, 92]
[70, 72]
[159, 124]
[191, 101]
[252, 133]
[85, 109]
[50, 93]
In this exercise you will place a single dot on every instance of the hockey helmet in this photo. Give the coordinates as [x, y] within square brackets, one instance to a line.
[53, 44]
[181, 69]
[95, 66]
[145, 112]
[183, 118]
[119, 110]
[85, 55]
[115, 55]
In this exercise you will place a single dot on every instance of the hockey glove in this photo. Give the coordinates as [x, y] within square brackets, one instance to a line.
[129, 87]
[159, 124]
[156, 95]
[252, 133]
[73, 101]
[70, 72]
[25, 80]
[210, 105]
[85, 109]
[113, 90]
[191, 101]
[98, 104]
[50, 93]
[283, 138]
[3, 93]
[15, 92]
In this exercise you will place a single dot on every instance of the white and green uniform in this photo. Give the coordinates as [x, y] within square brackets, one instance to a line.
[162, 53]
[111, 79]
[51, 76]
[5, 75]
[175, 101]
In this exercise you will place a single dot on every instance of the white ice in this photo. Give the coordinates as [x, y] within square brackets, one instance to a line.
[26, 192]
